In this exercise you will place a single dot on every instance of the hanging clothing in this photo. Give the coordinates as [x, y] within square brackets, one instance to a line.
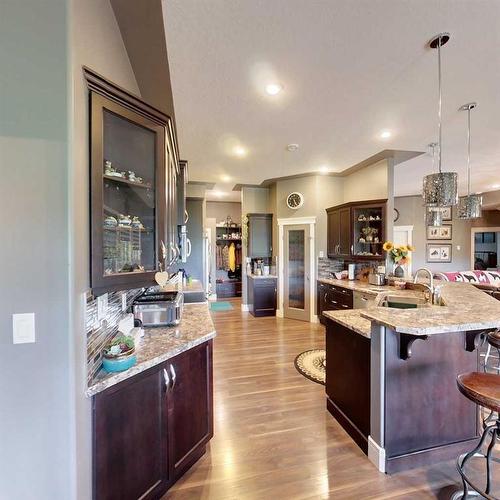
[225, 257]
[232, 257]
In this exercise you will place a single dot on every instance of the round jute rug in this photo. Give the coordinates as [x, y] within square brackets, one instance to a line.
[312, 365]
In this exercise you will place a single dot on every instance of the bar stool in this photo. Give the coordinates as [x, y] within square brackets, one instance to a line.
[493, 339]
[484, 390]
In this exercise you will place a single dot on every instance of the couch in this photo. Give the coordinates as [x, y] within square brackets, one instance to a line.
[489, 281]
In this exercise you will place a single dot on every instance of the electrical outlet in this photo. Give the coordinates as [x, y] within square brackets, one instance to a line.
[102, 306]
[321, 254]
[124, 301]
[459, 248]
[23, 328]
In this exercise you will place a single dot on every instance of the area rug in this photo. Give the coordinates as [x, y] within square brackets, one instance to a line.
[312, 365]
[221, 306]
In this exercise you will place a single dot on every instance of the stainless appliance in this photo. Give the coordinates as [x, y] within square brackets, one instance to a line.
[159, 308]
[362, 300]
[377, 279]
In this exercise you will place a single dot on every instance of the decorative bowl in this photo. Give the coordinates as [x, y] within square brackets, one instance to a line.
[119, 363]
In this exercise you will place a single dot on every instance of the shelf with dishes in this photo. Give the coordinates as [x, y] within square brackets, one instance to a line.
[128, 178]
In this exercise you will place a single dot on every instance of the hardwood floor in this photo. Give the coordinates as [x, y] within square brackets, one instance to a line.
[274, 438]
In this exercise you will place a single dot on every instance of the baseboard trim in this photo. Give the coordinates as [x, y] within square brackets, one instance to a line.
[245, 308]
[279, 313]
[376, 454]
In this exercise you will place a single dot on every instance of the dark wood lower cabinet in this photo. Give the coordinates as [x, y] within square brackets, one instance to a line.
[147, 433]
[332, 298]
[262, 296]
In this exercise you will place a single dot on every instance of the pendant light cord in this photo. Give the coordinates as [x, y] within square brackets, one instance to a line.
[468, 151]
[439, 105]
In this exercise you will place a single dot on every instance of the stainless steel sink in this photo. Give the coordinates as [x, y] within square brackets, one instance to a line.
[401, 302]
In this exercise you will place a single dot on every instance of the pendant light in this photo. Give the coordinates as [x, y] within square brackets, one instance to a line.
[469, 207]
[433, 215]
[440, 189]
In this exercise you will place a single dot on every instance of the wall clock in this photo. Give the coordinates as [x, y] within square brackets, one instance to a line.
[294, 200]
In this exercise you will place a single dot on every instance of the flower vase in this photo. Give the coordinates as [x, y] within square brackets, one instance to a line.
[399, 272]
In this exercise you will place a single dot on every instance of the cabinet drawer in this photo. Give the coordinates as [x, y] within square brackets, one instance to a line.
[265, 283]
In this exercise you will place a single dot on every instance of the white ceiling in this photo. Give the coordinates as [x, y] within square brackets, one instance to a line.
[350, 69]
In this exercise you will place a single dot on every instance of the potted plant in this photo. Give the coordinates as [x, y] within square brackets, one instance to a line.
[399, 256]
[119, 354]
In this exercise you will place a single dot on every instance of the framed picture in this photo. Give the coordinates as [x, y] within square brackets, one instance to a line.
[438, 252]
[443, 232]
[447, 214]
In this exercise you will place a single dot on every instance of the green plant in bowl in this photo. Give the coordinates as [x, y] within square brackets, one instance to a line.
[119, 346]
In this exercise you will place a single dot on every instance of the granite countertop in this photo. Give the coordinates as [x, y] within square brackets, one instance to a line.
[162, 343]
[351, 319]
[464, 308]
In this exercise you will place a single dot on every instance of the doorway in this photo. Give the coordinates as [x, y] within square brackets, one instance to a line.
[485, 248]
[297, 272]
[403, 235]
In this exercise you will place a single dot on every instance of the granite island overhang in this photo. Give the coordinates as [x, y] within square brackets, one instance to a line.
[391, 376]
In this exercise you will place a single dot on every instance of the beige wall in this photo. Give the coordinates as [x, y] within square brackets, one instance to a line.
[96, 43]
[369, 183]
[219, 210]
[320, 192]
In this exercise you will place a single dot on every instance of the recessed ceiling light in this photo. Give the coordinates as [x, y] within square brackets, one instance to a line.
[324, 169]
[239, 151]
[225, 178]
[292, 147]
[385, 134]
[274, 88]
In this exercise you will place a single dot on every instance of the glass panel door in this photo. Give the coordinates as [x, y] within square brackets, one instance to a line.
[297, 272]
[129, 213]
[296, 266]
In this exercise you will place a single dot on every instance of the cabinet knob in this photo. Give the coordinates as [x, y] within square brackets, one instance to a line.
[166, 379]
[174, 376]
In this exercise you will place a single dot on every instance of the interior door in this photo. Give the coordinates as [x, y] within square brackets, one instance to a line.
[297, 300]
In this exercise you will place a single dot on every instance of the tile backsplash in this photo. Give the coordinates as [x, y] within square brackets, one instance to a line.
[327, 266]
[99, 332]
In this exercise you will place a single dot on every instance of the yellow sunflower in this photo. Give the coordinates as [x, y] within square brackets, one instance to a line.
[388, 246]
[411, 248]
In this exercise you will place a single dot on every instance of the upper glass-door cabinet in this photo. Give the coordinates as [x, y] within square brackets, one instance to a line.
[128, 188]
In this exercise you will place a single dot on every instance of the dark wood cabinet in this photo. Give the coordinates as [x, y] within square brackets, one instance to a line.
[262, 296]
[133, 161]
[260, 235]
[130, 439]
[356, 231]
[228, 289]
[190, 421]
[149, 429]
[332, 298]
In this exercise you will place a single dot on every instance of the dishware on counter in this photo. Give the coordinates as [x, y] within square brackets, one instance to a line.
[136, 222]
[399, 284]
[266, 271]
[119, 354]
[351, 271]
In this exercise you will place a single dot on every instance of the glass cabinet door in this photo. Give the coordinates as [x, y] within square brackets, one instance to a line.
[128, 194]
[129, 204]
[368, 231]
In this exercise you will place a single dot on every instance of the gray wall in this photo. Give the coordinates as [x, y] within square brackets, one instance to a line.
[195, 265]
[412, 212]
[36, 459]
[96, 43]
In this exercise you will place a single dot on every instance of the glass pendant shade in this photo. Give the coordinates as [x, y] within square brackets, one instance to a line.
[469, 207]
[441, 189]
[434, 217]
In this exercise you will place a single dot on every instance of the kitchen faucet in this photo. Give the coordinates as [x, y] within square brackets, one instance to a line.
[430, 287]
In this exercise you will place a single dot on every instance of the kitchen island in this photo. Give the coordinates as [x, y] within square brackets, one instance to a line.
[391, 374]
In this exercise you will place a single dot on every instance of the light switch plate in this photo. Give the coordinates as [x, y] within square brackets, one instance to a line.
[321, 254]
[102, 306]
[23, 328]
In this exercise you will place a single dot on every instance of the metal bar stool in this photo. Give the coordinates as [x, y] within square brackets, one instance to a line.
[493, 341]
[484, 390]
